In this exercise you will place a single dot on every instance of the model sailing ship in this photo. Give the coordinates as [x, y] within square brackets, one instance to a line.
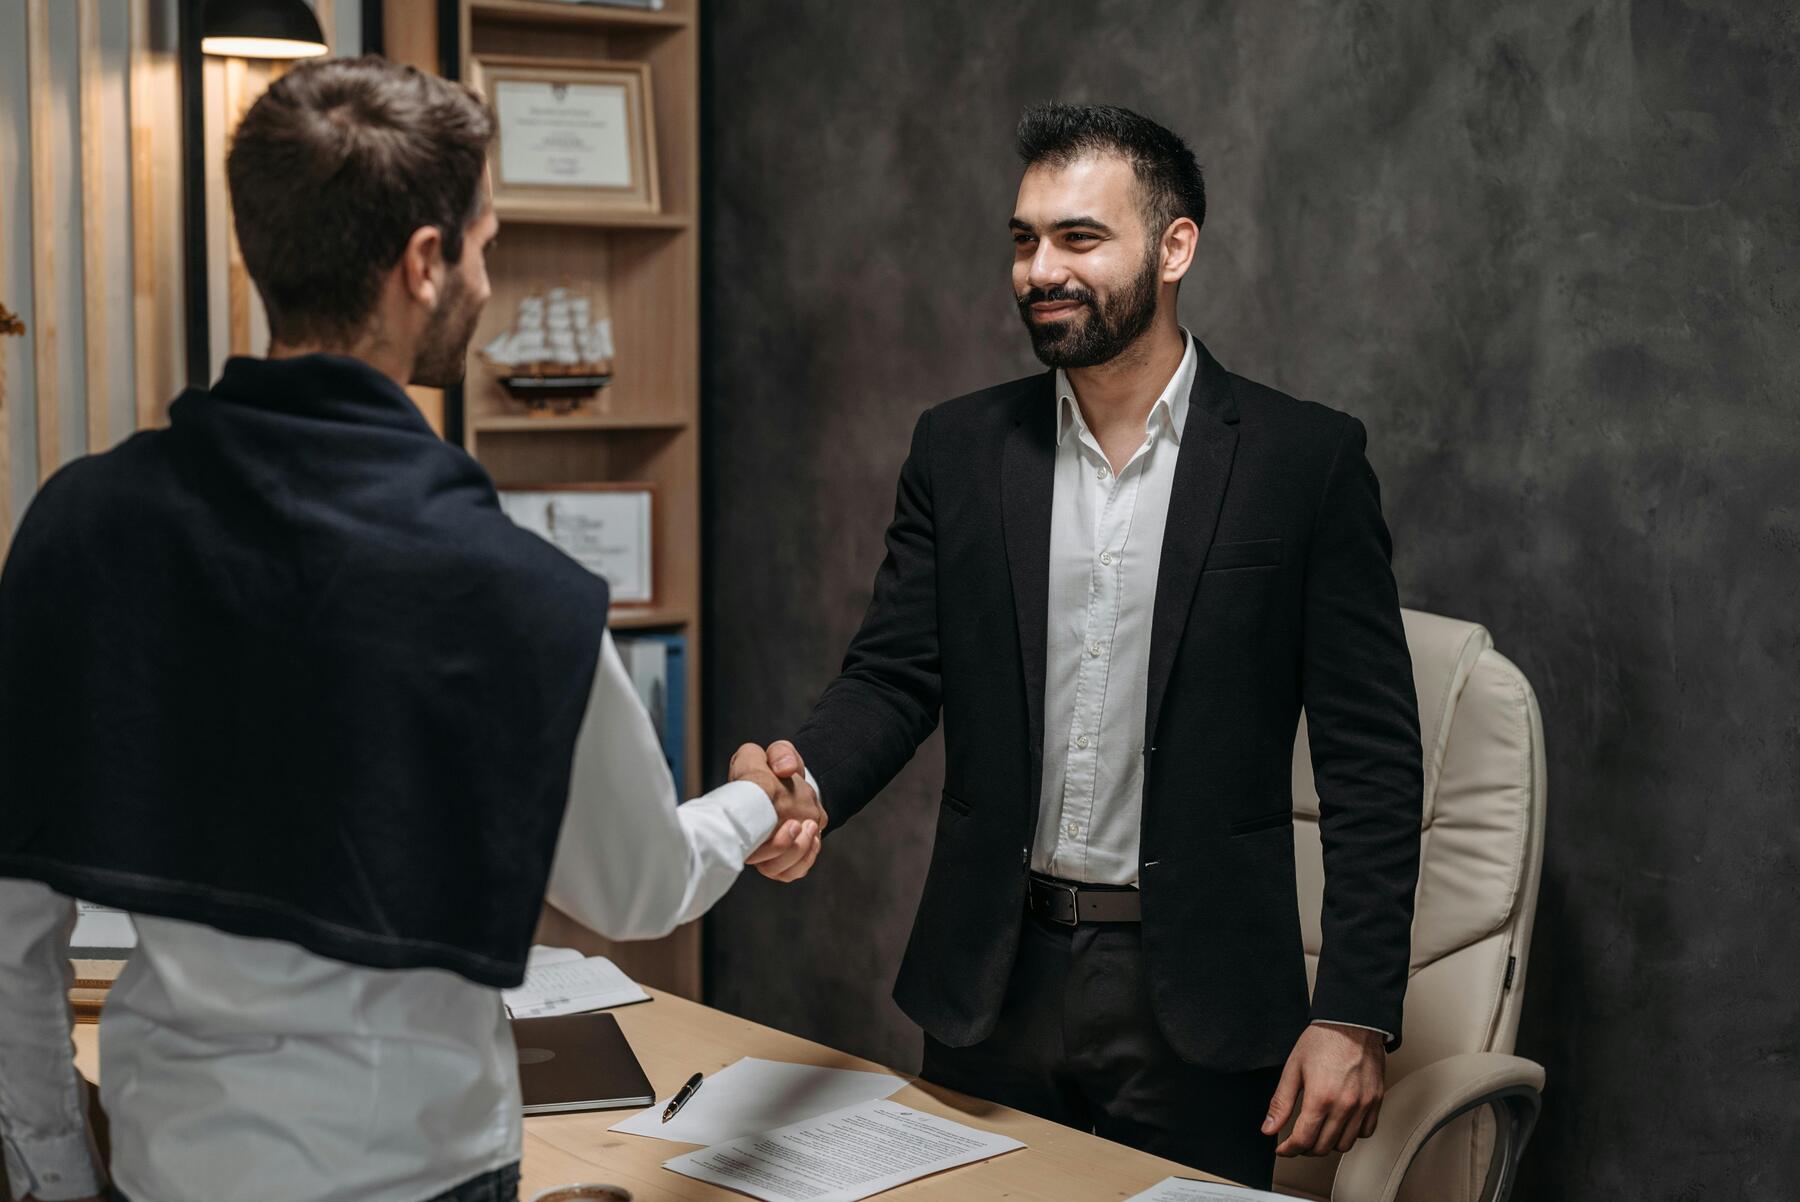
[555, 355]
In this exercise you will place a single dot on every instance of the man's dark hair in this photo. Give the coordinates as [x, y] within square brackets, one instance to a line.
[333, 169]
[1168, 176]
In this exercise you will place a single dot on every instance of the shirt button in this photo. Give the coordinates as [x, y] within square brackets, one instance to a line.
[1093, 648]
[1102, 473]
[1081, 740]
[1106, 558]
[1073, 829]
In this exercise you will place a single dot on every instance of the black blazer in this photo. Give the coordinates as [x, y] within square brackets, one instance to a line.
[1274, 592]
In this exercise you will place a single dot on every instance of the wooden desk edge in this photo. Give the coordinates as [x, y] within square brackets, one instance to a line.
[674, 1037]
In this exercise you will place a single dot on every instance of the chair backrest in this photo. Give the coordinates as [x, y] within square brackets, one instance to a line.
[1481, 852]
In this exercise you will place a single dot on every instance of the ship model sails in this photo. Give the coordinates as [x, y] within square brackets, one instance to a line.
[555, 355]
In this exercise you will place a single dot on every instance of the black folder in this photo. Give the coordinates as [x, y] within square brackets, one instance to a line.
[578, 1062]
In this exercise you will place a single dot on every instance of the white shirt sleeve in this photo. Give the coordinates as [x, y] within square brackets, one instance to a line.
[43, 1112]
[630, 863]
[1332, 1022]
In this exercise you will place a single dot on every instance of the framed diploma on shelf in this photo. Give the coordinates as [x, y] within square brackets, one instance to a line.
[606, 528]
[573, 140]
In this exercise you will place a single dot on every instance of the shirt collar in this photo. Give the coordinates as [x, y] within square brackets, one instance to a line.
[1171, 406]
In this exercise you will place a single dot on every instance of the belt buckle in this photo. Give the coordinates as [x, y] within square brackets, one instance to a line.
[1074, 918]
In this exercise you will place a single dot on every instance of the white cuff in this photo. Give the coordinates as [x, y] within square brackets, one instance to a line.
[748, 808]
[52, 1167]
[1332, 1022]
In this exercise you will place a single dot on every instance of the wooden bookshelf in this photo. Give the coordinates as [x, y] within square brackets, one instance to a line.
[642, 271]
[567, 16]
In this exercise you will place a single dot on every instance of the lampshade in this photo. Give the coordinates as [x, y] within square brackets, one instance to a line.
[261, 29]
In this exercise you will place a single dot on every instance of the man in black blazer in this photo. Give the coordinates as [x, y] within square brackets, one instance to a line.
[1119, 582]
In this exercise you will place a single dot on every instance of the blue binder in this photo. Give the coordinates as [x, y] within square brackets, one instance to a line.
[669, 711]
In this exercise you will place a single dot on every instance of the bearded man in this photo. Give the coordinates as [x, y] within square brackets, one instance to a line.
[1119, 581]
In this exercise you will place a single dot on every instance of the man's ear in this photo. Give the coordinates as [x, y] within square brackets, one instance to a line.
[1179, 242]
[422, 266]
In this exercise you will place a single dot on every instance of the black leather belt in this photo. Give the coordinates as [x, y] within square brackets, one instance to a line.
[1070, 904]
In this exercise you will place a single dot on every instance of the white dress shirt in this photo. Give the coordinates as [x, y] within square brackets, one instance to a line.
[1106, 536]
[243, 1068]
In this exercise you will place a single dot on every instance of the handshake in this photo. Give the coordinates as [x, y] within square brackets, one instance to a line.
[791, 851]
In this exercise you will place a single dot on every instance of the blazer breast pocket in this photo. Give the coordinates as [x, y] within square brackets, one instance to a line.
[1251, 553]
[1264, 822]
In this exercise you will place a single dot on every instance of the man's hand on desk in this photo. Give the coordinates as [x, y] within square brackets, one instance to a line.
[791, 851]
[1337, 1075]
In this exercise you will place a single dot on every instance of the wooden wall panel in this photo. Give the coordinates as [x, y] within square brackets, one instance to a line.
[94, 203]
[234, 100]
[94, 237]
[157, 296]
[5, 430]
[43, 255]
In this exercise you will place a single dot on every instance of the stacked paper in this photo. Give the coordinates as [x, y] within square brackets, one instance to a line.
[806, 1133]
[560, 980]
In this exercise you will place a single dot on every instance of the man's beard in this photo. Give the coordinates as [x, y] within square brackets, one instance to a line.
[1105, 329]
[443, 355]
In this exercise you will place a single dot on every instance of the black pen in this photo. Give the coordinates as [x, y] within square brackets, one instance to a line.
[682, 1095]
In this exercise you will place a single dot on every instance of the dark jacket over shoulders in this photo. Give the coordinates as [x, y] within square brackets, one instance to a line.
[1274, 593]
[287, 669]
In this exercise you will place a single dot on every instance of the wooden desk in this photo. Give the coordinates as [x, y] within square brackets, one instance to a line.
[674, 1038]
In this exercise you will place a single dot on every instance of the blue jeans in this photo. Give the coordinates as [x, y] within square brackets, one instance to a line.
[501, 1185]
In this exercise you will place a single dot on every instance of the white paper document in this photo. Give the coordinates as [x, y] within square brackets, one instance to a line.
[1183, 1189]
[754, 1095]
[560, 980]
[842, 1156]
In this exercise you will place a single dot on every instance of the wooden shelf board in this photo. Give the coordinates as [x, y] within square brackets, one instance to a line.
[528, 214]
[507, 423]
[578, 14]
[642, 617]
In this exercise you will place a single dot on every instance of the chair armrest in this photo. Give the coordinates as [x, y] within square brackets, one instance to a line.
[1424, 1101]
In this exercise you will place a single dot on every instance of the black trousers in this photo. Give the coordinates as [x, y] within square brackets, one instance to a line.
[1077, 1044]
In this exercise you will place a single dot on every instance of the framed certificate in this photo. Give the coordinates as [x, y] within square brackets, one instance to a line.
[573, 139]
[606, 528]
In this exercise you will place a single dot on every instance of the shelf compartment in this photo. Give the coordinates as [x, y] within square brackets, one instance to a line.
[642, 281]
[508, 423]
[521, 213]
[581, 15]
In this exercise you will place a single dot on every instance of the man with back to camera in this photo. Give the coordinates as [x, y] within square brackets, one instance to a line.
[283, 681]
[1120, 581]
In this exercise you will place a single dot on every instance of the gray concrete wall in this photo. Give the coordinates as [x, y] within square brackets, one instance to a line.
[1548, 251]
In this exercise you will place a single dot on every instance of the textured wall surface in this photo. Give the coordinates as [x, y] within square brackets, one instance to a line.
[1548, 251]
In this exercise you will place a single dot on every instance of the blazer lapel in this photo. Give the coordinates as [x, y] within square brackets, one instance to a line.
[1027, 488]
[1202, 469]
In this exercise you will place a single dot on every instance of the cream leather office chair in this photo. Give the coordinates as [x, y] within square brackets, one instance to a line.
[1459, 1106]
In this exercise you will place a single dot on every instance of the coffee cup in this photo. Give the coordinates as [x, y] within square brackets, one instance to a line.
[584, 1193]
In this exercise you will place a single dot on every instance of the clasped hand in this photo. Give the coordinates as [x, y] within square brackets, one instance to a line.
[789, 853]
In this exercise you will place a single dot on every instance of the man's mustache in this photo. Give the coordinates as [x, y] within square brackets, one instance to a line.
[1045, 296]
